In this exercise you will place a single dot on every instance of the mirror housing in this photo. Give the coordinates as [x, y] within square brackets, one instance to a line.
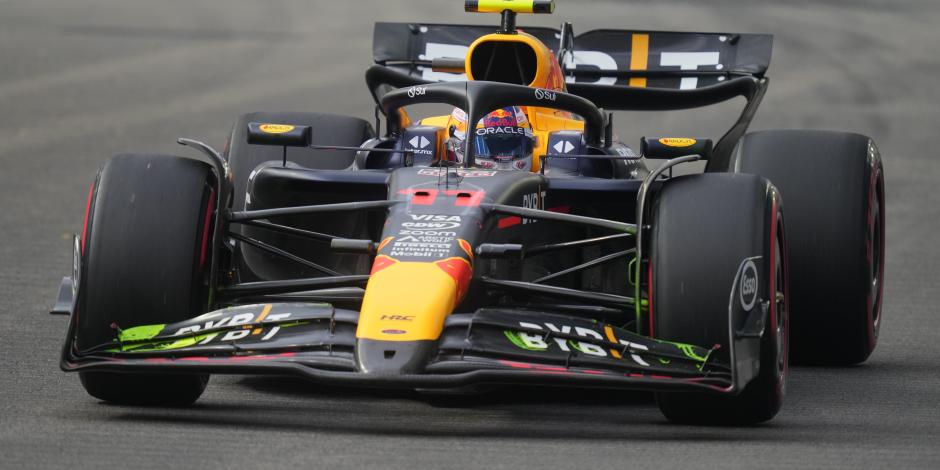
[674, 147]
[286, 135]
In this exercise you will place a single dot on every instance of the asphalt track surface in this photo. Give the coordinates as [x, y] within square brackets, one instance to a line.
[83, 79]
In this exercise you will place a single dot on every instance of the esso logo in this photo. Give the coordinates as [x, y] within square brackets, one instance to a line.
[544, 95]
[417, 91]
[748, 287]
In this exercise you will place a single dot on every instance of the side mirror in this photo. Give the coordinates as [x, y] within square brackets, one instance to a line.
[673, 147]
[286, 135]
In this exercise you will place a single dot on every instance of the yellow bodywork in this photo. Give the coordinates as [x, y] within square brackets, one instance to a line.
[407, 301]
[544, 121]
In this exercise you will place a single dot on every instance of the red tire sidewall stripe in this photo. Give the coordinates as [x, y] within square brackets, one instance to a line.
[91, 192]
[207, 224]
[83, 246]
[649, 294]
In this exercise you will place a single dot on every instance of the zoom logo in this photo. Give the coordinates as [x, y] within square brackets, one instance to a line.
[747, 290]
[417, 91]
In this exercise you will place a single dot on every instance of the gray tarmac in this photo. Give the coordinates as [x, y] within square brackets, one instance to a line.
[83, 79]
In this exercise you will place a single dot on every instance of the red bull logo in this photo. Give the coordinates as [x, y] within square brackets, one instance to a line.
[501, 118]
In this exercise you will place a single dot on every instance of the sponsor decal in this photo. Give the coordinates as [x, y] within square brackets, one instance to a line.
[394, 332]
[544, 95]
[526, 343]
[545, 342]
[417, 91]
[690, 61]
[640, 57]
[203, 339]
[677, 141]
[422, 237]
[500, 122]
[242, 324]
[435, 218]
[423, 244]
[747, 290]
[275, 128]
[220, 320]
[397, 317]
[563, 146]
[429, 226]
[425, 223]
[426, 237]
[419, 144]
[533, 201]
[462, 172]
[501, 130]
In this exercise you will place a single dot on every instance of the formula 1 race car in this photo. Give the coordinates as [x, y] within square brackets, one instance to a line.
[512, 241]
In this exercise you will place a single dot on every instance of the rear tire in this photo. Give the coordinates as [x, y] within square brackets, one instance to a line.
[704, 228]
[144, 264]
[833, 183]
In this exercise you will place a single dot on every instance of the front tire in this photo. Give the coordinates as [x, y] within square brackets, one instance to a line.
[705, 228]
[144, 260]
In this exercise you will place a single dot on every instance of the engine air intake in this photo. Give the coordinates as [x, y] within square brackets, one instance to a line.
[506, 62]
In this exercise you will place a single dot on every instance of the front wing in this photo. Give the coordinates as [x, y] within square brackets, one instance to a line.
[487, 347]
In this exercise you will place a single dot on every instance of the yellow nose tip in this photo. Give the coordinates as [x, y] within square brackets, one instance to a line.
[407, 301]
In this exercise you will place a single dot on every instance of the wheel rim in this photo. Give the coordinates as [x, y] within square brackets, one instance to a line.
[875, 263]
[780, 309]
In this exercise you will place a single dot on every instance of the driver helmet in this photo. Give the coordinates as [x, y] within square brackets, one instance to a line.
[503, 139]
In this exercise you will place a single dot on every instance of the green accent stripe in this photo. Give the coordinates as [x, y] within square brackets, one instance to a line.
[140, 333]
[516, 340]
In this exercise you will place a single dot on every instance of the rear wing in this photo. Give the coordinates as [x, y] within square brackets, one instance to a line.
[614, 69]
[654, 59]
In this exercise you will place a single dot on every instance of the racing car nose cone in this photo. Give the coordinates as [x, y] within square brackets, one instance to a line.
[393, 357]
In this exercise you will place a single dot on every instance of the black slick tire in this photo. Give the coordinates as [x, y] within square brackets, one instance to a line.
[833, 183]
[704, 229]
[144, 260]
